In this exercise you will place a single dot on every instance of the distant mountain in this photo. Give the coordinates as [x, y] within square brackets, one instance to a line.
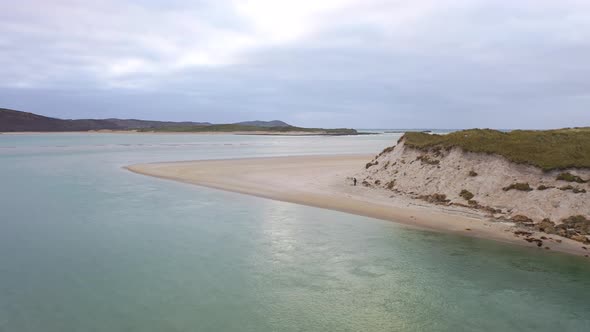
[264, 124]
[11, 120]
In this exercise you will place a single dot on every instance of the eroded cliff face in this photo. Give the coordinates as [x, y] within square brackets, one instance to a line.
[504, 189]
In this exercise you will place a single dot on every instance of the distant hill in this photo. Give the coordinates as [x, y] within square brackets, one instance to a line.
[264, 124]
[238, 128]
[11, 120]
[15, 121]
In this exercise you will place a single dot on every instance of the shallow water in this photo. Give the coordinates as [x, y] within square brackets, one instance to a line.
[88, 246]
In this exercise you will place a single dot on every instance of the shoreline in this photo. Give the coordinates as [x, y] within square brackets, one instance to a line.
[320, 181]
[135, 132]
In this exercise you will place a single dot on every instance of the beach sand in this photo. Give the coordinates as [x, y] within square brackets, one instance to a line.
[324, 182]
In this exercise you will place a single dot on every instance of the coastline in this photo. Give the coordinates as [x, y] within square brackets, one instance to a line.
[135, 132]
[320, 181]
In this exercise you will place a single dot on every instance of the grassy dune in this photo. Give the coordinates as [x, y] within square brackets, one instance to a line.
[547, 149]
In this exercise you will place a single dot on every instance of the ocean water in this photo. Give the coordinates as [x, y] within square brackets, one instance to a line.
[88, 246]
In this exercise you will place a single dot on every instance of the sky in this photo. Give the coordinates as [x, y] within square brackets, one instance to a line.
[316, 63]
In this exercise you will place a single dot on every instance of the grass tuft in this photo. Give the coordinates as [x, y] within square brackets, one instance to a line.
[466, 194]
[518, 186]
[569, 177]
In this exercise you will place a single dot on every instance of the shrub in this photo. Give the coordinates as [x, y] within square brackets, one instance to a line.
[569, 177]
[386, 150]
[466, 194]
[390, 184]
[472, 173]
[426, 160]
[579, 223]
[371, 164]
[544, 187]
[518, 186]
[435, 198]
[575, 190]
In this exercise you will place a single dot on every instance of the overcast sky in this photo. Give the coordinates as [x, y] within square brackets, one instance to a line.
[331, 63]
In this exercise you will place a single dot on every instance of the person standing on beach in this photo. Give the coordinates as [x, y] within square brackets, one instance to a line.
[354, 181]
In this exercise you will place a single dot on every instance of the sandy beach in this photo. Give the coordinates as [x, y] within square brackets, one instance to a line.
[324, 182]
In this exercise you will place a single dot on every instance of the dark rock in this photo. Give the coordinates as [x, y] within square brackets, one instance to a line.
[523, 233]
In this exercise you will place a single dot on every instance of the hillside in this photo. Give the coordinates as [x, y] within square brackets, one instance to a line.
[15, 121]
[537, 179]
[264, 124]
[253, 129]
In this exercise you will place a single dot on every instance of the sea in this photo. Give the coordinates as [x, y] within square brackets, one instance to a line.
[86, 245]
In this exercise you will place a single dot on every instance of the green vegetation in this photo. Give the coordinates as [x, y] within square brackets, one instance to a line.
[547, 149]
[518, 186]
[466, 194]
[243, 128]
[426, 160]
[544, 187]
[575, 190]
[435, 198]
[371, 164]
[569, 177]
[579, 223]
[386, 150]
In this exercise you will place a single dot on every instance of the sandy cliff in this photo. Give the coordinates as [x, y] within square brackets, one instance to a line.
[556, 202]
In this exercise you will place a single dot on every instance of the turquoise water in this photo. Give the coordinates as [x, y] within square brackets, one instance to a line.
[88, 246]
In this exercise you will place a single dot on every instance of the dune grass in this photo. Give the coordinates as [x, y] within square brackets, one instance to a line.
[547, 149]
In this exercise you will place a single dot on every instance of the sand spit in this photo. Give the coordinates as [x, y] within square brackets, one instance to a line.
[325, 182]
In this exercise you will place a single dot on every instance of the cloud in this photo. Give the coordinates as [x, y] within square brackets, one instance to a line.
[432, 63]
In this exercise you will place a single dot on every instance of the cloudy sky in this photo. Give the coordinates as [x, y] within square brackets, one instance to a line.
[332, 63]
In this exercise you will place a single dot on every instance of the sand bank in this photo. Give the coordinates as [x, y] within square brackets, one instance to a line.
[321, 181]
